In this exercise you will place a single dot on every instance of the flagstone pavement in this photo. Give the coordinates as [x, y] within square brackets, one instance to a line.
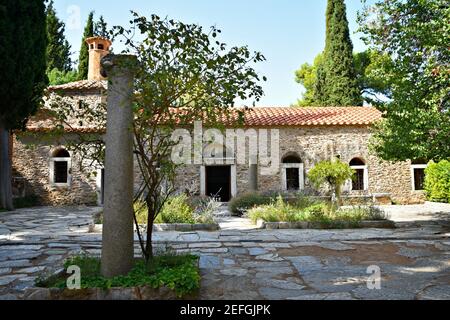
[243, 263]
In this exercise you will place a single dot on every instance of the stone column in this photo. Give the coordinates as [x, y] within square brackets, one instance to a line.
[118, 231]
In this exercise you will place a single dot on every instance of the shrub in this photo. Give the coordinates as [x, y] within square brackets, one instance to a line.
[280, 211]
[180, 209]
[241, 204]
[177, 272]
[176, 210]
[334, 173]
[437, 181]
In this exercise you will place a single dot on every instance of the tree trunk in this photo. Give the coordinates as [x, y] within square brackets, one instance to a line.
[149, 240]
[6, 201]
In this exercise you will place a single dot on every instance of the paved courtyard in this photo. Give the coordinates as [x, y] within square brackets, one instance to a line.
[240, 262]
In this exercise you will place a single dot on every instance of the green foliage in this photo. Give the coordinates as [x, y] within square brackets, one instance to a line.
[336, 83]
[334, 173]
[101, 28]
[177, 209]
[23, 43]
[437, 181]
[307, 77]
[177, 272]
[319, 212]
[242, 203]
[371, 85]
[83, 60]
[58, 48]
[415, 35]
[26, 202]
[57, 77]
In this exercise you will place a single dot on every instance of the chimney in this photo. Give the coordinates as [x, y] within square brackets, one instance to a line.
[98, 48]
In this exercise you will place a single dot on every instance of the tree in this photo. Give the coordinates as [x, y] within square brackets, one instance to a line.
[101, 28]
[307, 77]
[336, 77]
[184, 74]
[83, 61]
[57, 77]
[371, 86]
[58, 48]
[23, 43]
[415, 35]
[334, 173]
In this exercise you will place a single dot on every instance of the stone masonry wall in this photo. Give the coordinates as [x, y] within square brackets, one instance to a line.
[31, 163]
[314, 144]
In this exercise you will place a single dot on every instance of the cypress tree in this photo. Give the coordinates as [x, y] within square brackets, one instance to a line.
[336, 77]
[83, 63]
[23, 43]
[58, 48]
[101, 28]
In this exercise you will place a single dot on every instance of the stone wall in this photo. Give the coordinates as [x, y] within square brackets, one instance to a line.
[314, 144]
[31, 163]
[311, 144]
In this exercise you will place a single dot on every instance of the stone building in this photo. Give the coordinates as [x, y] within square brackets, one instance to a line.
[43, 167]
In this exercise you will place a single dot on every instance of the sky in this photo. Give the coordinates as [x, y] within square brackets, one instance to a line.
[287, 32]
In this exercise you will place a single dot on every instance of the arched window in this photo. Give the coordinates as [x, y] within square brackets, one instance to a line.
[60, 164]
[361, 180]
[418, 174]
[292, 173]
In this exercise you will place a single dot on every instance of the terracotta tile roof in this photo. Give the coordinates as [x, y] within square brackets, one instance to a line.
[43, 121]
[255, 117]
[81, 85]
[317, 116]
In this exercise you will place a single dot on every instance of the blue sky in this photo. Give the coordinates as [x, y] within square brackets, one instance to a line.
[287, 32]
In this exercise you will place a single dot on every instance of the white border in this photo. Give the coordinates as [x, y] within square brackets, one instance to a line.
[366, 177]
[413, 181]
[301, 177]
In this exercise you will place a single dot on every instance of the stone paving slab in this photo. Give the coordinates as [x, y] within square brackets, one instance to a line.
[247, 263]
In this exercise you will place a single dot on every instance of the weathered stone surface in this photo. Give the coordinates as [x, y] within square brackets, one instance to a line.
[15, 264]
[5, 280]
[31, 270]
[5, 271]
[256, 251]
[238, 272]
[206, 245]
[269, 257]
[324, 296]
[209, 262]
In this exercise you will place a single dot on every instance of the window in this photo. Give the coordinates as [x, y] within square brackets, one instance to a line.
[418, 176]
[361, 181]
[100, 47]
[292, 172]
[60, 168]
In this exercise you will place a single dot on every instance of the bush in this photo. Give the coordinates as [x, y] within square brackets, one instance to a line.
[177, 272]
[437, 181]
[321, 212]
[176, 210]
[179, 209]
[243, 203]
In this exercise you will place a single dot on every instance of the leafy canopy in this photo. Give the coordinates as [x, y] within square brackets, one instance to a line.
[333, 173]
[415, 35]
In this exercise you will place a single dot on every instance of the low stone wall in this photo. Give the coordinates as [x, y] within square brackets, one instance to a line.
[178, 227]
[138, 293]
[384, 224]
